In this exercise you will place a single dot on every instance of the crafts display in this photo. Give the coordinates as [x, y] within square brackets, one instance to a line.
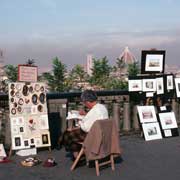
[28, 115]
[31, 161]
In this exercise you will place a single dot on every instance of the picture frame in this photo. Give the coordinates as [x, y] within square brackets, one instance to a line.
[45, 139]
[149, 85]
[177, 85]
[147, 114]
[160, 85]
[135, 85]
[170, 82]
[152, 61]
[17, 142]
[168, 120]
[26, 143]
[151, 131]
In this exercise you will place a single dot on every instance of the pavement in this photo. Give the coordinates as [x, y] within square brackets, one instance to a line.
[141, 160]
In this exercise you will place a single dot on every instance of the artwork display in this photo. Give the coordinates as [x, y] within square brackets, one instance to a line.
[28, 115]
[169, 85]
[177, 84]
[151, 131]
[149, 85]
[135, 85]
[147, 114]
[168, 120]
[160, 85]
[152, 62]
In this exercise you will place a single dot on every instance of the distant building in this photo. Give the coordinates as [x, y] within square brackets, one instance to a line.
[127, 57]
[2, 72]
[89, 64]
[3, 76]
[171, 69]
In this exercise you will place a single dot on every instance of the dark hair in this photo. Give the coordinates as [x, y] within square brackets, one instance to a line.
[88, 95]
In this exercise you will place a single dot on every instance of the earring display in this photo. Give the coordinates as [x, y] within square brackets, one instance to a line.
[28, 115]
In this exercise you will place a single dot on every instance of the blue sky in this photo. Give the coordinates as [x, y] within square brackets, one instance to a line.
[71, 29]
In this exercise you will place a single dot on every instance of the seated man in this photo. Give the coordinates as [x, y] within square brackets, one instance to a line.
[96, 112]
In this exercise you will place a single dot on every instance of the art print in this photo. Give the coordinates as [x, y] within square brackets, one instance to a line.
[151, 131]
[135, 85]
[147, 114]
[168, 120]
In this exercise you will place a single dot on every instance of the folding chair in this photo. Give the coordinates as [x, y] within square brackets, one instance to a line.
[96, 148]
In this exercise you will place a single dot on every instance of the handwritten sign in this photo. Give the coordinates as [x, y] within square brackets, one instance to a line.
[27, 73]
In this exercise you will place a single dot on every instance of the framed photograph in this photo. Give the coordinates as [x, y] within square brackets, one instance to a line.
[17, 142]
[152, 61]
[177, 84]
[147, 114]
[135, 85]
[149, 85]
[151, 131]
[168, 120]
[45, 139]
[26, 143]
[169, 81]
[160, 85]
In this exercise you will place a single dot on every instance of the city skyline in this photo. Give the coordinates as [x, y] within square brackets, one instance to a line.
[70, 30]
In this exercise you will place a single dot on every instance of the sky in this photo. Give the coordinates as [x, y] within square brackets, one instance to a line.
[71, 29]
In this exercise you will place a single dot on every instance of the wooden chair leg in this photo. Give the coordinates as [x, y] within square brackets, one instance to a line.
[97, 167]
[10, 152]
[77, 159]
[112, 162]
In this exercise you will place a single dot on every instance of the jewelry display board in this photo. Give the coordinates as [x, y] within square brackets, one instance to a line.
[28, 115]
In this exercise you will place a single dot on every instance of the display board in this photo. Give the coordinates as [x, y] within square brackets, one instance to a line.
[28, 115]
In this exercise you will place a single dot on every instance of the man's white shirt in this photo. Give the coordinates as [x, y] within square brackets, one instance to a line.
[98, 112]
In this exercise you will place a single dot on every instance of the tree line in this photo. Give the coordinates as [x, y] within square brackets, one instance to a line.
[60, 80]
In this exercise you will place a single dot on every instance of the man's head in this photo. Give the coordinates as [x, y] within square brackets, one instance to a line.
[89, 98]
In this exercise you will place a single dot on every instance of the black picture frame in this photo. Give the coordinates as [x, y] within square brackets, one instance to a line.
[152, 61]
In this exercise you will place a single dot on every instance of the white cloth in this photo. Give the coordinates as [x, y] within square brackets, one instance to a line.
[98, 112]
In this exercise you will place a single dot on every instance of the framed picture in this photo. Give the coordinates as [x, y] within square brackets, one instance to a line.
[17, 142]
[45, 139]
[160, 85]
[169, 82]
[151, 131]
[149, 85]
[168, 120]
[147, 114]
[152, 61]
[177, 84]
[26, 143]
[135, 85]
